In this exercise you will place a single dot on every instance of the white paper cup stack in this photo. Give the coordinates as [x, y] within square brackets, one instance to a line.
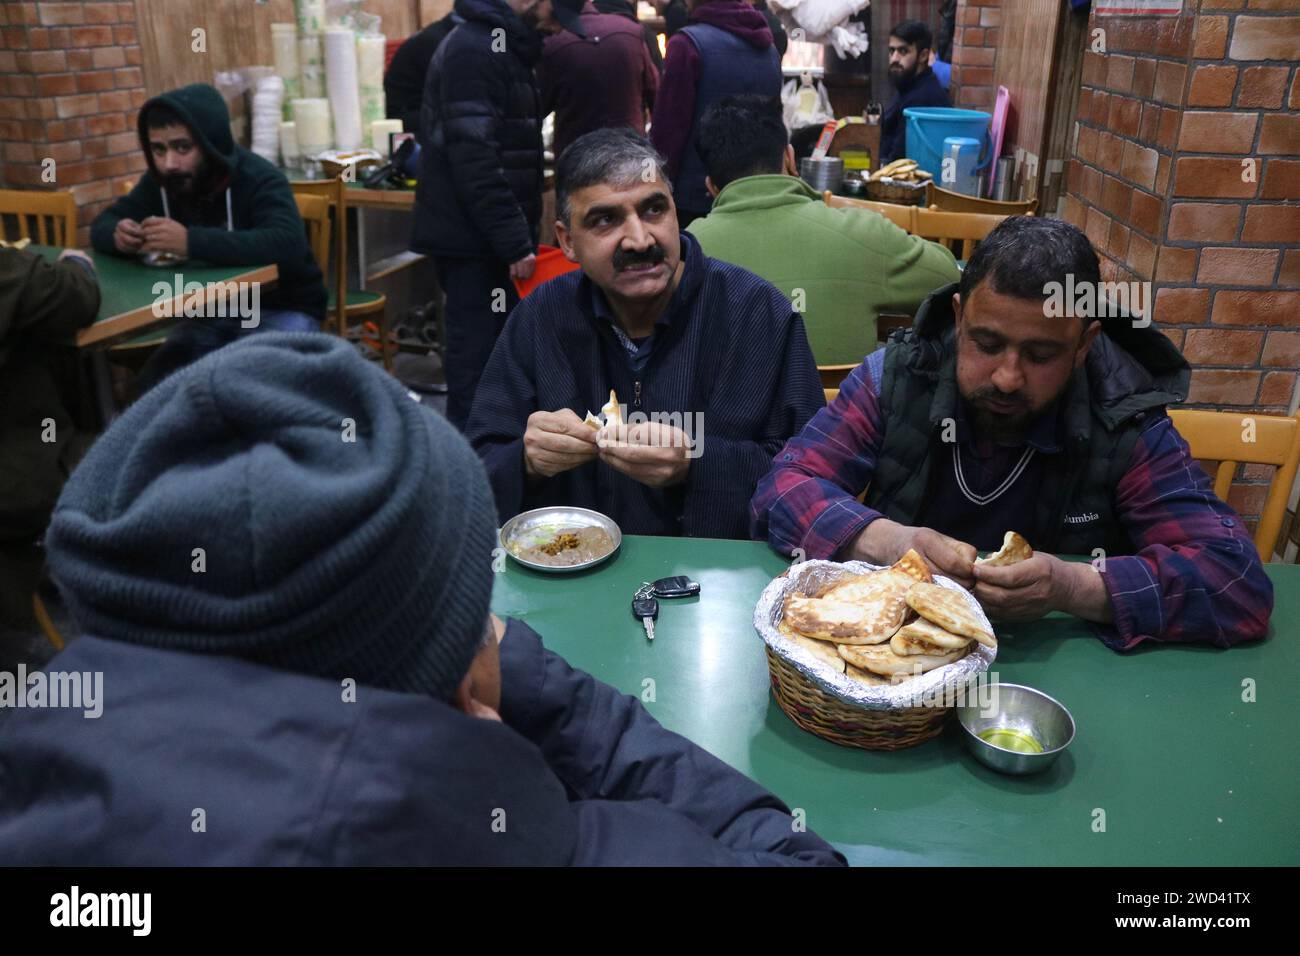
[311, 120]
[341, 86]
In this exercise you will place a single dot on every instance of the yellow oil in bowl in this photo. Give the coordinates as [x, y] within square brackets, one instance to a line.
[1008, 739]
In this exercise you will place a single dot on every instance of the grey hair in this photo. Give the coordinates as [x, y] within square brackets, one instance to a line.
[614, 156]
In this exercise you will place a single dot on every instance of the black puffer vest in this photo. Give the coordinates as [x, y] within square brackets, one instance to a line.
[1130, 375]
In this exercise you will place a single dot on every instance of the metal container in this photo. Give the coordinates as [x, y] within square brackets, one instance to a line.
[1003, 173]
[1022, 711]
[822, 174]
[521, 531]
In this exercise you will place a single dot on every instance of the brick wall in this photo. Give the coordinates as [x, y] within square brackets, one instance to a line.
[71, 84]
[1186, 171]
[974, 50]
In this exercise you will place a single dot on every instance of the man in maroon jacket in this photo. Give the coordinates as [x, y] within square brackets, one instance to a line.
[603, 79]
[725, 49]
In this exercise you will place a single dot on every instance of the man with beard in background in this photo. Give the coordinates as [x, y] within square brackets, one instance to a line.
[207, 198]
[909, 70]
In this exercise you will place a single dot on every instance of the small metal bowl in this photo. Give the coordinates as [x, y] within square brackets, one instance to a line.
[1020, 710]
[516, 532]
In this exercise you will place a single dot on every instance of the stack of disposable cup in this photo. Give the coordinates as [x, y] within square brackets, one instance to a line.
[370, 76]
[311, 66]
[341, 86]
[290, 155]
[311, 120]
[311, 16]
[284, 45]
[267, 112]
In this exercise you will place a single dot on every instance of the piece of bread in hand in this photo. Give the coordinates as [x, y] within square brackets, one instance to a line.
[1014, 550]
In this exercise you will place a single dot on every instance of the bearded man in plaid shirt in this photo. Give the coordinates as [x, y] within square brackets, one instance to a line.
[997, 412]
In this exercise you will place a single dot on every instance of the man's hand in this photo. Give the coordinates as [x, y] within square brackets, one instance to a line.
[649, 452]
[128, 237]
[556, 442]
[884, 542]
[523, 269]
[1027, 590]
[165, 235]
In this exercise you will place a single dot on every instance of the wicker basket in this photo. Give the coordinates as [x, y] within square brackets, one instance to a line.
[827, 717]
[896, 191]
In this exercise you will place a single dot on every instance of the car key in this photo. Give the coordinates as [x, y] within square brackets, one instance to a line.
[675, 587]
[645, 608]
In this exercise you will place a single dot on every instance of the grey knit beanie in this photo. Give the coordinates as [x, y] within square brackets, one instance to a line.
[284, 501]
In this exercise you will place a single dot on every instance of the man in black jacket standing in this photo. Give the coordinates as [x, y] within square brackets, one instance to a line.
[480, 193]
[404, 79]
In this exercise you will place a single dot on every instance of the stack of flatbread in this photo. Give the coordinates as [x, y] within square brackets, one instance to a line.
[886, 626]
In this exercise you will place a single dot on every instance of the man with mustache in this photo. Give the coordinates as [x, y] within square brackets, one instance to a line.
[710, 362]
[917, 85]
[995, 412]
[207, 198]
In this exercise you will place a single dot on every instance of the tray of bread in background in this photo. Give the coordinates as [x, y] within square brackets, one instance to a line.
[872, 656]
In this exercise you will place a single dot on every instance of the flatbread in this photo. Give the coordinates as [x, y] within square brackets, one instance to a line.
[913, 566]
[845, 622]
[865, 676]
[951, 610]
[926, 637]
[1014, 550]
[592, 422]
[881, 659]
[822, 650]
[611, 410]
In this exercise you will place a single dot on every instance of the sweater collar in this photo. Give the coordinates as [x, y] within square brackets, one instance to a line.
[764, 192]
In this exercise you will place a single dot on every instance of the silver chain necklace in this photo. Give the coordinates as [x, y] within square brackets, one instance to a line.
[1000, 489]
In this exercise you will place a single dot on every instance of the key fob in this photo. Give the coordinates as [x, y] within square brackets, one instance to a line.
[645, 607]
[676, 587]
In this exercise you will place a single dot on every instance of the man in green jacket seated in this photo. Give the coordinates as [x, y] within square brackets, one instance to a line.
[840, 267]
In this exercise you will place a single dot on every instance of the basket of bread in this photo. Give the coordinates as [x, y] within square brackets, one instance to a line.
[875, 657]
[902, 182]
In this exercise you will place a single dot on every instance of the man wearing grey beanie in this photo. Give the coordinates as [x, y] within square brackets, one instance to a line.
[282, 568]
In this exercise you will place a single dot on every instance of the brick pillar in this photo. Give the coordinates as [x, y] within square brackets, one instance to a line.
[974, 49]
[70, 87]
[1186, 171]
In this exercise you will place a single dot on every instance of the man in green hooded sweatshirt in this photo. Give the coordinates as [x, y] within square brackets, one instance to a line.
[209, 199]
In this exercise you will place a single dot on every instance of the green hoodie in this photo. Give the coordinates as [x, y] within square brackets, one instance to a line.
[243, 191]
[850, 263]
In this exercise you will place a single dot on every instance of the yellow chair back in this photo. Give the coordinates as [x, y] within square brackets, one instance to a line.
[59, 208]
[1231, 439]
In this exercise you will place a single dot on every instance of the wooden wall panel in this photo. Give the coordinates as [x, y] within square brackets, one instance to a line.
[1024, 65]
[238, 34]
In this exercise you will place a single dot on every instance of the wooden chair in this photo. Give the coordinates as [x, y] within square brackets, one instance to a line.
[958, 231]
[347, 305]
[1223, 437]
[833, 375]
[900, 216]
[59, 208]
[945, 200]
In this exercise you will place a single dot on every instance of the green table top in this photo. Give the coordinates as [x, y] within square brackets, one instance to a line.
[1186, 772]
[127, 291]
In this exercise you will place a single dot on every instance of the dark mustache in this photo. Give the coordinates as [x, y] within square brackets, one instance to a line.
[990, 392]
[624, 259]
